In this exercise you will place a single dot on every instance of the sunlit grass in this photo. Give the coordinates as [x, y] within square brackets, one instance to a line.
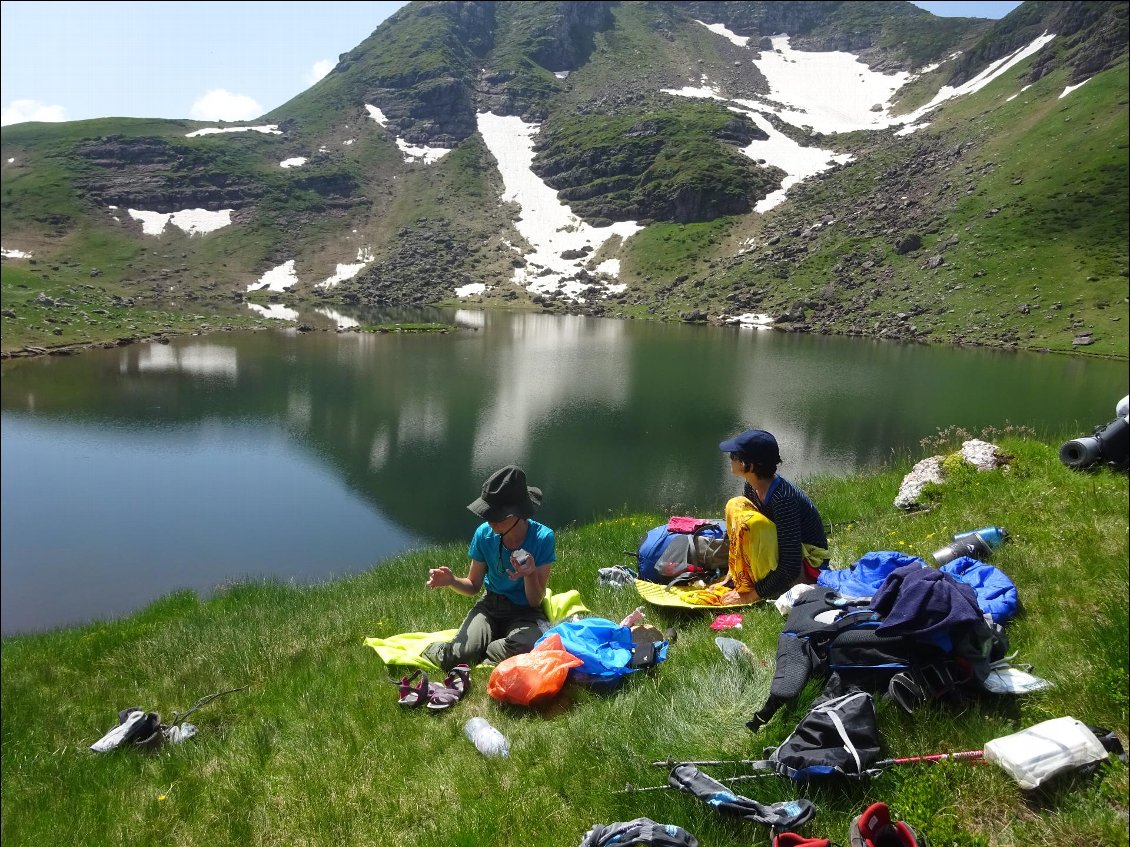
[316, 750]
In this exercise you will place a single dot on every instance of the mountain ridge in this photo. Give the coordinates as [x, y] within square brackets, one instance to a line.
[646, 118]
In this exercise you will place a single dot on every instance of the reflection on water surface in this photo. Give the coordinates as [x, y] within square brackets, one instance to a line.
[130, 472]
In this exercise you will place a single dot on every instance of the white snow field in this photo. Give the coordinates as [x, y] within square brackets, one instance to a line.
[191, 221]
[545, 222]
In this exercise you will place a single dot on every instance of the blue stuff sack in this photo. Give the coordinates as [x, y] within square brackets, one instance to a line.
[604, 647]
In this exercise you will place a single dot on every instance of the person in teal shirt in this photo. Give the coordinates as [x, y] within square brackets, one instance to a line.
[511, 556]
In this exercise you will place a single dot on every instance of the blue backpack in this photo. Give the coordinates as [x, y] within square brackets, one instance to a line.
[664, 555]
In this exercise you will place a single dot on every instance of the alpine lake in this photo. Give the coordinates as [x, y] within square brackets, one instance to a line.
[131, 472]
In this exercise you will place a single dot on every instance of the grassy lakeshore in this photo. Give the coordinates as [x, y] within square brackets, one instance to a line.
[317, 752]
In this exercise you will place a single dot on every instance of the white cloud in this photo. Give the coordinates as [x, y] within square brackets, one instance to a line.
[319, 69]
[19, 111]
[221, 105]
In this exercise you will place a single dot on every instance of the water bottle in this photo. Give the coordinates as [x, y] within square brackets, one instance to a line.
[974, 547]
[731, 648]
[994, 536]
[487, 740]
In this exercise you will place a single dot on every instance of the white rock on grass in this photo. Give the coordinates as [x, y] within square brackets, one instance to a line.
[927, 471]
[981, 454]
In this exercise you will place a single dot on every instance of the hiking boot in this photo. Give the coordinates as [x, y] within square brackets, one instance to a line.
[874, 828]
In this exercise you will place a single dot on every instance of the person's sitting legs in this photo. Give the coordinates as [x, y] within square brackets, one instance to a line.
[524, 633]
[470, 644]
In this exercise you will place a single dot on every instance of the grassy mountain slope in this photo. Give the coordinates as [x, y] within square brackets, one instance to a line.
[1024, 201]
[1010, 194]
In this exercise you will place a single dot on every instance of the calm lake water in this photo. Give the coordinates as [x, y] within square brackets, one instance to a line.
[132, 472]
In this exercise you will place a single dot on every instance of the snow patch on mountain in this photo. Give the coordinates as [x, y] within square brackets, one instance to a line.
[349, 270]
[411, 152]
[191, 221]
[1071, 88]
[729, 35]
[545, 222]
[279, 278]
[829, 92]
[266, 129]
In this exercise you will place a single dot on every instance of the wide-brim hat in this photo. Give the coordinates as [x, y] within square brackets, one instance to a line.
[504, 494]
[753, 445]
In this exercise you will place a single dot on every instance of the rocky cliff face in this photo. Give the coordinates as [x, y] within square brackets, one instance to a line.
[624, 167]
[1090, 37]
[154, 175]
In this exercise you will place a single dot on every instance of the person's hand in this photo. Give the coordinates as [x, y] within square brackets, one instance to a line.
[440, 577]
[522, 567]
[730, 598]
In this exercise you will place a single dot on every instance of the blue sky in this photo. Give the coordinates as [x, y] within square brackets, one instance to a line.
[202, 60]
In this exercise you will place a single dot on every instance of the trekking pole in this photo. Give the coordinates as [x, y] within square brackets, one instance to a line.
[967, 755]
[204, 701]
[670, 763]
[632, 789]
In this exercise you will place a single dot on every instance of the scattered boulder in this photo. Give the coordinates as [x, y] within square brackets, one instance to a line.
[981, 454]
[922, 474]
[908, 244]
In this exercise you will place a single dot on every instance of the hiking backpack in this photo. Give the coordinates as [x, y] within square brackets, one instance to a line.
[665, 554]
[827, 635]
[838, 737]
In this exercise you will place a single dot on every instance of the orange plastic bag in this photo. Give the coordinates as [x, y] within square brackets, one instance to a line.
[529, 677]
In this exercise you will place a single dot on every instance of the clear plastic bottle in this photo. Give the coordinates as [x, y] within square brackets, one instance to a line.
[731, 648]
[487, 740]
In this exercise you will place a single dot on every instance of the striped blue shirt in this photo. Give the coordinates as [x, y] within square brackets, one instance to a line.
[798, 522]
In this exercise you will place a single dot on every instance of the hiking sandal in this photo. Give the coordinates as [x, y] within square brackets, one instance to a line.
[413, 695]
[441, 697]
[459, 680]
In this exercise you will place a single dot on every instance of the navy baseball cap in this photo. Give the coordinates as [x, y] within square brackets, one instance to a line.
[753, 445]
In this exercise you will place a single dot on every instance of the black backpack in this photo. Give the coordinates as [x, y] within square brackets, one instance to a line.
[847, 650]
[838, 737]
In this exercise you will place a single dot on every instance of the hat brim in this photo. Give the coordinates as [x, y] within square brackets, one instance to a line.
[730, 445]
[488, 512]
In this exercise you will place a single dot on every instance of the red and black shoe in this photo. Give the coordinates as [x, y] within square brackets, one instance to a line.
[874, 828]
[791, 839]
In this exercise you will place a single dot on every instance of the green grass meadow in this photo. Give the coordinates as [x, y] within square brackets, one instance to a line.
[317, 751]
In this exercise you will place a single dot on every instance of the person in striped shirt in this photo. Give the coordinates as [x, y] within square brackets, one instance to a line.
[801, 540]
